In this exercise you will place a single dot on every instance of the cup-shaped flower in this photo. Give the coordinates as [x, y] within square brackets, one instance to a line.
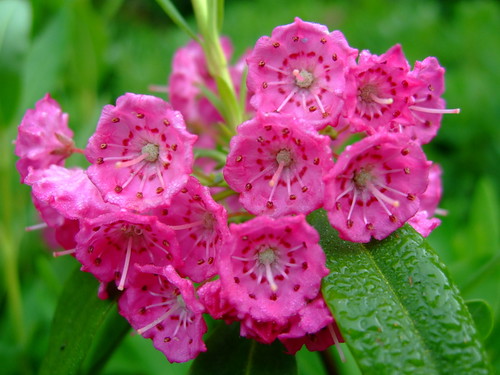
[271, 267]
[201, 227]
[141, 152]
[378, 91]
[44, 137]
[111, 244]
[162, 306]
[276, 163]
[62, 197]
[300, 70]
[374, 187]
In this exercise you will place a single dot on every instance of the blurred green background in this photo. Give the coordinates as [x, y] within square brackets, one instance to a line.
[87, 53]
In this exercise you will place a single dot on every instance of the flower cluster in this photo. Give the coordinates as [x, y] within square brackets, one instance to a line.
[162, 226]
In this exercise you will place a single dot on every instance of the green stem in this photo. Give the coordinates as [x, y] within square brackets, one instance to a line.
[13, 289]
[223, 194]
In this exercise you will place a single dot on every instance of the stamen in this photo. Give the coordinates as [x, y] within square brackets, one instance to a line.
[187, 226]
[320, 105]
[61, 253]
[260, 174]
[287, 99]
[354, 199]
[379, 100]
[155, 322]
[336, 343]
[36, 227]
[381, 196]
[434, 110]
[126, 265]
[270, 277]
[134, 161]
[276, 175]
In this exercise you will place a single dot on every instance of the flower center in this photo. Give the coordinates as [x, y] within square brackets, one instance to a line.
[362, 177]
[303, 78]
[284, 157]
[366, 92]
[152, 152]
[267, 257]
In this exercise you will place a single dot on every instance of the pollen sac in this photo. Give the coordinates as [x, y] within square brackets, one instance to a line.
[145, 161]
[200, 225]
[44, 137]
[162, 306]
[300, 70]
[368, 194]
[263, 264]
[277, 163]
[109, 246]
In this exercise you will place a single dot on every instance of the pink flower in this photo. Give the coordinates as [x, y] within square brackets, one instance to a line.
[200, 224]
[162, 306]
[300, 70]
[277, 164]
[141, 153]
[44, 137]
[427, 107]
[423, 221]
[109, 245]
[271, 267]
[378, 91]
[313, 326]
[63, 196]
[375, 185]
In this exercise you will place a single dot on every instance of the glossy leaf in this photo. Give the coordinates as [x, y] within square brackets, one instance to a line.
[78, 319]
[396, 306]
[230, 354]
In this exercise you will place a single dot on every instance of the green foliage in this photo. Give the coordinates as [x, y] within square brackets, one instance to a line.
[396, 306]
[230, 354]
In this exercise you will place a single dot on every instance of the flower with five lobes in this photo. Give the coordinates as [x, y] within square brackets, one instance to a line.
[163, 307]
[44, 137]
[300, 70]
[271, 267]
[277, 163]
[109, 246]
[378, 91]
[201, 228]
[141, 152]
[374, 187]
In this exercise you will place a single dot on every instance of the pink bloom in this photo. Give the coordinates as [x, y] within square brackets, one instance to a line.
[375, 185]
[162, 306]
[200, 224]
[141, 153]
[44, 137]
[427, 106]
[109, 245]
[378, 91]
[423, 221]
[300, 70]
[68, 191]
[63, 196]
[277, 164]
[311, 328]
[271, 267]
[215, 302]
[262, 331]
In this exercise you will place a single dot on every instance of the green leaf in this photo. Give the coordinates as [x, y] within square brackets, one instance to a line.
[230, 354]
[396, 306]
[177, 18]
[79, 318]
[483, 316]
